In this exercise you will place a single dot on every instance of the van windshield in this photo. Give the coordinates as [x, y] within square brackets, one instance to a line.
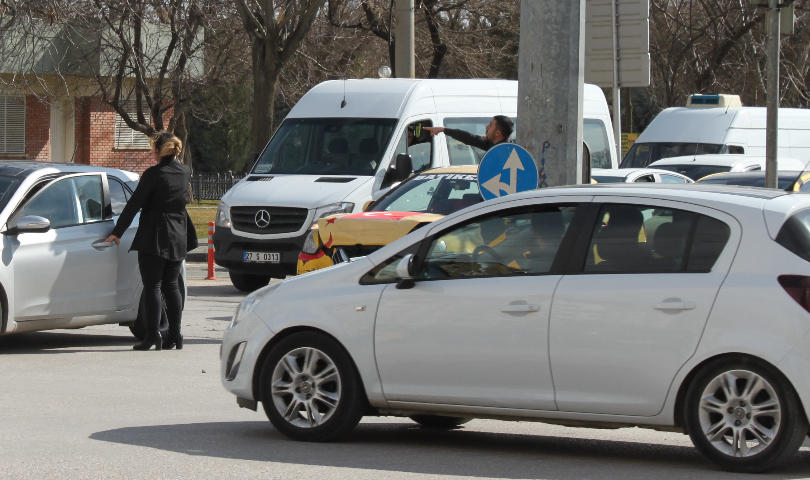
[327, 146]
[643, 154]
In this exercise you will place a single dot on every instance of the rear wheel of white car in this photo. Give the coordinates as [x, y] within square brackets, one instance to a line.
[310, 388]
[248, 283]
[437, 421]
[744, 415]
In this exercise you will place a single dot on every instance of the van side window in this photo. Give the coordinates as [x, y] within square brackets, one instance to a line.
[595, 135]
[461, 154]
[736, 149]
[417, 143]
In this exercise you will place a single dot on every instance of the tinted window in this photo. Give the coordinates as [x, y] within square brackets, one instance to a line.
[642, 239]
[795, 234]
[643, 154]
[327, 146]
[595, 135]
[606, 179]
[516, 243]
[441, 193]
[695, 172]
[118, 196]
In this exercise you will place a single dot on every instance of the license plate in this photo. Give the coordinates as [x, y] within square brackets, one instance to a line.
[267, 257]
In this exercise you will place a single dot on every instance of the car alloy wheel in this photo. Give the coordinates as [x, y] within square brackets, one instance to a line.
[306, 387]
[740, 413]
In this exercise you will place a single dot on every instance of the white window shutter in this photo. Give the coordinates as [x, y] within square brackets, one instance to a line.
[12, 124]
[127, 137]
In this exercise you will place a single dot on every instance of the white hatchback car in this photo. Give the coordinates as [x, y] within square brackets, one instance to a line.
[57, 272]
[673, 307]
[698, 166]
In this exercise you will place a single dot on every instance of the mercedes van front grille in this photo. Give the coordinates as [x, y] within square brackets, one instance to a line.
[268, 220]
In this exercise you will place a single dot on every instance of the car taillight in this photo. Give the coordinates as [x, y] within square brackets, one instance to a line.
[798, 287]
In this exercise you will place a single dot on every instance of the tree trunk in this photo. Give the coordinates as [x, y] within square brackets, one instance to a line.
[265, 78]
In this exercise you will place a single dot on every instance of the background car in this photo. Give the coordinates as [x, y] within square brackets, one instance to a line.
[637, 175]
[698, 166]
[786, 180]
[416, 202]
[702, 326]
[57, 271]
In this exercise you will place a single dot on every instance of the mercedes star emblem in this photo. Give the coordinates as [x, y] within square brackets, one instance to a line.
[262, 218]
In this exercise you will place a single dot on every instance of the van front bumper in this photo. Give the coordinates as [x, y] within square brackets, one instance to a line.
[229, 250]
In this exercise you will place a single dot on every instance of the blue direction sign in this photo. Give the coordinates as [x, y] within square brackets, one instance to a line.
[506, 168]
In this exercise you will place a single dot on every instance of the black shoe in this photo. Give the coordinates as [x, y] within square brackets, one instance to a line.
[173, 340]
[151, 338]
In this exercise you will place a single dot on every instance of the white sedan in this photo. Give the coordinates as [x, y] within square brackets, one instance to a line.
[648, 306]
[637, 175]
[57, 271]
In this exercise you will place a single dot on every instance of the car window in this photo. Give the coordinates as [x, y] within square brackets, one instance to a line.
[595, 134]
[460, 153]
[91, 197]
[441, 193]
[57, 203]
[695, 172]
[646, 239]
[418, 143]
[512, 243]
[386, 272]
[643, 154]
[118, 196]
[645, 179]
[671, 179]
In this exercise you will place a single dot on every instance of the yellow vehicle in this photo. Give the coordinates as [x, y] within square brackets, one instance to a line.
[418, 201]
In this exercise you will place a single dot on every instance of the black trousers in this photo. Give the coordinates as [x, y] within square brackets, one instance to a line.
[160, 276]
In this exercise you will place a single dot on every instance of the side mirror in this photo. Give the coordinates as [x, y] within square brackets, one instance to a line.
[29, 224]
[404, 166]
[368, 205]
[404, 272]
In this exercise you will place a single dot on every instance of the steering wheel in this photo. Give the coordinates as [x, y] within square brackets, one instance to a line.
[482, 249]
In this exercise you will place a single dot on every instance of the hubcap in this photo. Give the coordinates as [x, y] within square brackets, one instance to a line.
[306, 387]
[740, 413]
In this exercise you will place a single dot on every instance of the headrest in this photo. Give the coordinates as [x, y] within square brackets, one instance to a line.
[369, 146]
[338, 145]
[668, 242]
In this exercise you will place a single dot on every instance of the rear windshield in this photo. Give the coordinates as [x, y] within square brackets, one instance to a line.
[442, 193]
[327, 146]
[795, 234]
[643, 154]
[695, 172]
[603, 179]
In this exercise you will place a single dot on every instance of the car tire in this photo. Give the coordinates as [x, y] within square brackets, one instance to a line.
[744, 415]
[138, 327]
[310, 388]
[247, 283]
[437, 421]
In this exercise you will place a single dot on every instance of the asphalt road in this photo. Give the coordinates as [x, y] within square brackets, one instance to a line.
[81, 404]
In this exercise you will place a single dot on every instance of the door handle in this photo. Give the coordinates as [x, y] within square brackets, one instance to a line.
[675, 306]
[101, 245]
[522, 307]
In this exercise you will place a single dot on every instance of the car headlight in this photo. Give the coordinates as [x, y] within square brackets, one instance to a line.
[331, 209]
[311, 243]
[223, 216]
[251, 301]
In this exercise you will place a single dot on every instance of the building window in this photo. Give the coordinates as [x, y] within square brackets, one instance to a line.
[126, 137]
[12, 124]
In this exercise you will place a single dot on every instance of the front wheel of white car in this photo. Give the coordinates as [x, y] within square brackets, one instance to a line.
[744, 415]
[310, 388]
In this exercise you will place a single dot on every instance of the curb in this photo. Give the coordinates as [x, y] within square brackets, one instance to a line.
[198, 255]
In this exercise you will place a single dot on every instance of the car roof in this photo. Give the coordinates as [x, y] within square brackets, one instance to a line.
[626, 172]
[16, 168]
[469, 169]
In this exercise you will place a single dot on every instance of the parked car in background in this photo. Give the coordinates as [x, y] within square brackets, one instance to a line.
[416, 202]
[718, 124]
[57, 271]
[637, 175]
[698, 166]
[701, 327]
[790, 181]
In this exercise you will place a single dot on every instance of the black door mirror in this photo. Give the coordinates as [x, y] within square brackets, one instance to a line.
[404, 166]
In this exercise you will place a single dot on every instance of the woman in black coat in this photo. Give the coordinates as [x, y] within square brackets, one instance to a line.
[161, 238]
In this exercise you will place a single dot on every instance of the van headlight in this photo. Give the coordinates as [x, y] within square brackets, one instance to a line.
[250, 302]
[311, 243]
[331, 209]
[223, 216]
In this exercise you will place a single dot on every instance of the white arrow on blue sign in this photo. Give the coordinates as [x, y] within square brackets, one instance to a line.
[505, 169]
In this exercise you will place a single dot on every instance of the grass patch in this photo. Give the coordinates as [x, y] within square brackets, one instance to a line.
[201, 217]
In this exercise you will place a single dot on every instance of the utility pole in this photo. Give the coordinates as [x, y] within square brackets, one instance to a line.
[772, 101]
[404, 63]
[550, 88]
[617, 94]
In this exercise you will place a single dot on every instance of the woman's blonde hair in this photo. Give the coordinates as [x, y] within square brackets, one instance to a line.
[167, 144]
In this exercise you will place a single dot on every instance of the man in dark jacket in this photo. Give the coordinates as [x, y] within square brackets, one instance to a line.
[498, 131]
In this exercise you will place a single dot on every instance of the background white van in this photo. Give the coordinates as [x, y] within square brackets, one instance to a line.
[701, 129]
[335, 151]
